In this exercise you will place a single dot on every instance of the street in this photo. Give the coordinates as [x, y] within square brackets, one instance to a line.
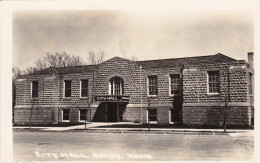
[75, 146]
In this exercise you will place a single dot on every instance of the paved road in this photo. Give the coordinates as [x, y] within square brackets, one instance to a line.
[74, 146]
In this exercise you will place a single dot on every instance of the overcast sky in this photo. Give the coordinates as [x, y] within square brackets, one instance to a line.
[145, 34]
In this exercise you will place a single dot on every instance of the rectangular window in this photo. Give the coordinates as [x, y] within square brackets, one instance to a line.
[152, 114]
[175, 115]
[82, 114]
[175, 84]
[67, 88]
[65, 114]
[250, 83]
[213, 81]
[34, 89]
[84, 88]
[152, 85]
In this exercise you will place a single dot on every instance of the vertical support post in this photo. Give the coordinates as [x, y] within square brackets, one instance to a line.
[106, 111]
[86, 120]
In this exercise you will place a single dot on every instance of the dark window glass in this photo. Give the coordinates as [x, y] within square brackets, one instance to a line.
[66, 114]
[84, 88]
[152, 85]
[250, 83]
[82, 113]
[152, 114]
[175, 84]
[34, 89]
[116, 86]
[67, 88]
[175, 116]
[213, 81]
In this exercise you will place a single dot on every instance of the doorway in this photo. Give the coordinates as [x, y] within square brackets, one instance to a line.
[112, 112]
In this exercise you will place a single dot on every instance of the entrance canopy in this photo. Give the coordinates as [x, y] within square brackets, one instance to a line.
[112, 98]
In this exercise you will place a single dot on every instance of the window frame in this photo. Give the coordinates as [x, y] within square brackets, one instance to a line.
[148, 115]
[62, 115]
[32, 89]
[80, 115]
[148, 86]
[81, 89]
[64, 89]
[250, 83]
[112, 86]
[216, 82]
[173, 84]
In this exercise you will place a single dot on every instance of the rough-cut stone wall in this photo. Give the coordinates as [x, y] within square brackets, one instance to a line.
[214, 116]
[235, 88]
[36, 115]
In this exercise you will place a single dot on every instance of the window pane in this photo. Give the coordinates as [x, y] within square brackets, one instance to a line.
[213, 81]
[152, 80]
[84, 88]
[175, 84]
[67, 88]
[35, 89]
[117, 86]
[83, 114]
[152, 115]
[250, 83]
[66, 114]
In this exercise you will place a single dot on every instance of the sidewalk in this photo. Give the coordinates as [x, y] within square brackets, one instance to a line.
[101, 127]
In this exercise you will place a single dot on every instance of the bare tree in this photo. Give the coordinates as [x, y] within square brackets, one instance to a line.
[95, 58]
[133, 58]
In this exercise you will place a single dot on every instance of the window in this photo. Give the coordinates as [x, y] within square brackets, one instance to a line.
[65, 114]
[175, 84]
[67, 88]
[152, 115]
[82, 114]
[175, 115]
[152, 85]
[250, 83]
[213, 82]
[116, 86]
[34, 89]
[84, 88]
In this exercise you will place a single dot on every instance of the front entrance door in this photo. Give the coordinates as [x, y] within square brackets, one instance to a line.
[112, 112]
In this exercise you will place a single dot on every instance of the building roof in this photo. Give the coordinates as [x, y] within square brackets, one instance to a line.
[185, 61]
[145, 64]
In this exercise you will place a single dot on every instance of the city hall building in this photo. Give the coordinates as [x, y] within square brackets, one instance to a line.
[192, 91]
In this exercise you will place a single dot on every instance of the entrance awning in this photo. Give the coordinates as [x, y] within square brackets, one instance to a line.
[112, 98]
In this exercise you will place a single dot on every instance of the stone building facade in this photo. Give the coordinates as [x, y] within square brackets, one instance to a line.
[193, 91]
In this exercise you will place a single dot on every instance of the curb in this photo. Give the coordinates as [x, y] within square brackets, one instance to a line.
[134, 131]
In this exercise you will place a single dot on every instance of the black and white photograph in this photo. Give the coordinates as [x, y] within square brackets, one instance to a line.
[130, 81]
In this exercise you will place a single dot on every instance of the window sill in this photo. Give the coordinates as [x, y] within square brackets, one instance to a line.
[65, 121]
[172, 95]
[34, 98]
[83, 97]
[152, 122]
[213, 94]
[154, 96]
[67, 98]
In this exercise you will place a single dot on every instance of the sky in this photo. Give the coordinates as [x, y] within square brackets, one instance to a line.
[145, 34]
